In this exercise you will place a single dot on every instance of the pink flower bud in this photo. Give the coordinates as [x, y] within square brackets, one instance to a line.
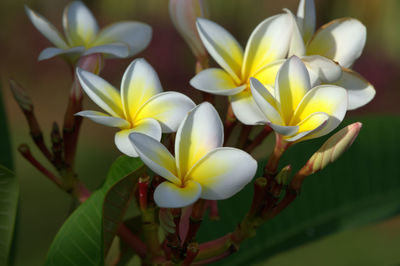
[334, 147]
[184, 14]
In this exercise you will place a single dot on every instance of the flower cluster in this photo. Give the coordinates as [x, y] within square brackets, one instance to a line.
[290, 77]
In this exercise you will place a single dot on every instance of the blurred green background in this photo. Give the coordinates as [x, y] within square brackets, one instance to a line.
[43, 208]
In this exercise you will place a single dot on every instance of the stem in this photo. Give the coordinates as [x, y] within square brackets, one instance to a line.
[143, 187]
[259, 138]
[230, 123]
[150, 232]
[72, 126]
[25, 103]
[258, 196]
[214, 248]
[196, 218]
[192, 251]
[57, 147]
[213, 206]
[134, 242]
[26, 153]
[272, 165]
[244, 136]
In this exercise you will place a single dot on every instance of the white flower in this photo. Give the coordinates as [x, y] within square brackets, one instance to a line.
[294, 109]
[121, 39]
[201, 168]
[341, 40]
[140, 106]
[268, 42]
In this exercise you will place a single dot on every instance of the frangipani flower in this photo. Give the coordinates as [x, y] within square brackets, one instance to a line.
[140, 106]
[341, 40]
[267, 43]
[121, 39]
[294, 109]
[265, 51]
[201, 167]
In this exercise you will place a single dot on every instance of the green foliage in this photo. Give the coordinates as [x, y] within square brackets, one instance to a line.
[86, 236]
[361, 187]
[9, 193]
[5, 147]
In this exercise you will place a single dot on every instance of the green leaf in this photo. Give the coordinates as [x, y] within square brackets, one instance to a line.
[9, 193]
[360, 188]
[5, 151]
[80, 239]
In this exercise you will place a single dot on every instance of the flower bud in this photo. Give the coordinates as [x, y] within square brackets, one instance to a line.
[21, 96]
[333, 148]
[283, 177]
[166, 220]
[184, 14]
[92, 63]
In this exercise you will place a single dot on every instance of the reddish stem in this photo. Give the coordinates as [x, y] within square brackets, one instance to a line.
[230, 123]
[134, 242]
[244, 136]
[143, 187]
[213, 206]
[215, 258]
[259, 138]
[191, 253]
[71, 127]
[26, 153]
[273, 160]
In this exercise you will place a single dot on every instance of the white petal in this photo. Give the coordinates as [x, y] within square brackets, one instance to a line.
[321, 69]
[222, 46]
[329, 99]
[284, 130]
[267, 74]
[200, 132]
[169, 195]
[296, 46]
[245, 108]
[168, 108]
[104, 119]
[155, 156]
[101, 92]
[80, 26]
[52, 52]
[268, 42]
[46, 28]
[136, 35]
[223, 172]
[306, 14]
[265, 101]
[114, 49]
[149, 127]
[310, 126]
[216, 81]
[139, 83]
[292, 83]
[359, 90]
[342, 40]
